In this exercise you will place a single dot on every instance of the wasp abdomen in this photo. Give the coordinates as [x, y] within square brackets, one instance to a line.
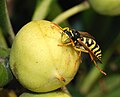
[93, 46]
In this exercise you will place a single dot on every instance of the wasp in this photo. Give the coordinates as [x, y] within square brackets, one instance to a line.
[82, 42]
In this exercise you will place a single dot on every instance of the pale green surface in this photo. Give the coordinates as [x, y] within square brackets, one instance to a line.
[37, 61]
[50, 94]
[106, 7]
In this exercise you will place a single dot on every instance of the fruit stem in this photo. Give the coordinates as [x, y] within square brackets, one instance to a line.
[5, 21]
[72, 11]
[41, 9]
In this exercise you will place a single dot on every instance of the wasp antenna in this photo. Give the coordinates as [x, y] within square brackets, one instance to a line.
[55, 26]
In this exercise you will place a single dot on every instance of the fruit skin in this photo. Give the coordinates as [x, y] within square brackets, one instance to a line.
[38, 62]
[106, 7]
[57, 93]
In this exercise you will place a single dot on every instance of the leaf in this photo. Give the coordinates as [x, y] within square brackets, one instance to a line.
[3, 75]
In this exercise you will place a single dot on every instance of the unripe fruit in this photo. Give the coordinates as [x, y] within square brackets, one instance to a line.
[49, 94]
[106, 7]
[38, 62]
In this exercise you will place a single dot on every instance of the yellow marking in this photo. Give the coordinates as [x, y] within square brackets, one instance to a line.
[96, 48]
[84, 40]
[98, 52]
[66, 28]
[99, 55]
[92, 46]
[71, 32]
[90, 41]
[99, 58]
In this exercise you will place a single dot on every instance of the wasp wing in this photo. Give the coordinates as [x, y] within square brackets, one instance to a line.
[85, 34]
[87, 48]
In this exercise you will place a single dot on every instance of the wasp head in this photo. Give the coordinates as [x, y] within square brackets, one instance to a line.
[66, 35]
[65, 38]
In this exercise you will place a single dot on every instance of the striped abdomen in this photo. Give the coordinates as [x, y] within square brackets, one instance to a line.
[93, 46]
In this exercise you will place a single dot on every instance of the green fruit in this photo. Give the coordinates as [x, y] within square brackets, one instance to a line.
[38, 62]
[49, 94]
[106, 7]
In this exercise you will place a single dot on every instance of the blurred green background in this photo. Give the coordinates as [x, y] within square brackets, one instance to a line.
[88, 82]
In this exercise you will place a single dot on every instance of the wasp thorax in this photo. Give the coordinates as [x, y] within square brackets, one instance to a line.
[38, 62]
[65, 38]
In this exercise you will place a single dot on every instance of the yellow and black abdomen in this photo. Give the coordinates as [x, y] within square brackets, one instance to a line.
[93, 46]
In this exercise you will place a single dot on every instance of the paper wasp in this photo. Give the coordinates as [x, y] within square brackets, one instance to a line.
[82, 42]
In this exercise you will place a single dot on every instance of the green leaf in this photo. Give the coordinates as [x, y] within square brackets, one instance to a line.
[3, 75]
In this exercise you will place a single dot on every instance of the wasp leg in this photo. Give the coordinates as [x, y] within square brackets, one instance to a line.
[79, 57]
[97, 65]
[62, 44]
[80, 50]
